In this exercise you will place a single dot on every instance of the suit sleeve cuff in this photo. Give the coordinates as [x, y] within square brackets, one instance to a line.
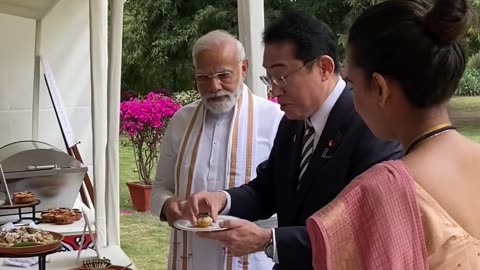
[228, 205]
[157, 203]
[275, 254]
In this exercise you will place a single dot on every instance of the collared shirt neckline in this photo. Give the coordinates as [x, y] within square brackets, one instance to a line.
[319, 118]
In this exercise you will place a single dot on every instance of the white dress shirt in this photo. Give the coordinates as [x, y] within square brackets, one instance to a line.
[214, 143]
[319, 118]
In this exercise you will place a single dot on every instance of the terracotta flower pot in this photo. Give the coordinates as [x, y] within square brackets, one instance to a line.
[140, 195]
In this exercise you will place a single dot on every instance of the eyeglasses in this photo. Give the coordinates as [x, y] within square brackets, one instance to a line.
[282, 80]
[224, 76]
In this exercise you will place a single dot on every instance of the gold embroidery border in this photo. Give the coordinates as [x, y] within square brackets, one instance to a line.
[233, 162]
[179, 165]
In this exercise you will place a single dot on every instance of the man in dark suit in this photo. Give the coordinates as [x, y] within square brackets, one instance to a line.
[320, 146]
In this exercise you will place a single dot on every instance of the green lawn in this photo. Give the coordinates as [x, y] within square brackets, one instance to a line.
[145, 239]
[468, 104]
[465, 112]
[472, 132]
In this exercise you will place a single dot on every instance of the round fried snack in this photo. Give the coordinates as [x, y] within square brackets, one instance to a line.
[204, 221]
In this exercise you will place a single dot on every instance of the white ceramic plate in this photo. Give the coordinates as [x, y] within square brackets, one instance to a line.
[185, 225]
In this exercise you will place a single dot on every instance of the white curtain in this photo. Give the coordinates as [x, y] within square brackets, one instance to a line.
[250, 27]
[114, 75]
[99, 63]
[106, 56]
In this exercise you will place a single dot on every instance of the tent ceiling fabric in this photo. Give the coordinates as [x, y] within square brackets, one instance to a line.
[32, 9]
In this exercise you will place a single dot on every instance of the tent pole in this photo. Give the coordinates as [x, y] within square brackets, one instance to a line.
[36, 80]
[250, 27]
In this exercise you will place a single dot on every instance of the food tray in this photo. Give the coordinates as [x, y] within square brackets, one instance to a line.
[33, 250]
[19, 205]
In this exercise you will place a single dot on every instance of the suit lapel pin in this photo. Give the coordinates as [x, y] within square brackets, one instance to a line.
[331, 144]
[328, 151]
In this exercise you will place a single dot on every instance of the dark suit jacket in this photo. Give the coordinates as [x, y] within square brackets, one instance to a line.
[345, 149]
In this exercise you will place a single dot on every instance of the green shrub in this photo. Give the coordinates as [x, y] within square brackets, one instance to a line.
[186, 97]
[470, 83]
[474, 61]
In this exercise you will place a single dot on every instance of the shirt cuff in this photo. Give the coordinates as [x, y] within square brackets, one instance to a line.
[275, 254]
[228, 205]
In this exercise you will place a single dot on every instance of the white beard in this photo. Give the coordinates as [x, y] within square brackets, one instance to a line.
[222, 101]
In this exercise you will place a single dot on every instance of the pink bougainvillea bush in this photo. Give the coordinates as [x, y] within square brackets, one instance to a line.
[271, 97]
[143, 121]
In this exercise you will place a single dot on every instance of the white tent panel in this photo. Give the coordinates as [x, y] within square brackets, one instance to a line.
[33, 9]
[114, 74]
[99, 69]
[65, 44]
[72, 36]
[16, 78]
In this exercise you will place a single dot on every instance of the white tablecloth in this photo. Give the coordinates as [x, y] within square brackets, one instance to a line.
[75, 228]
[66, 260]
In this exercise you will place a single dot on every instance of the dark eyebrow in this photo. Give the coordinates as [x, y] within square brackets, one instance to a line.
[276, 65]
[223, 71]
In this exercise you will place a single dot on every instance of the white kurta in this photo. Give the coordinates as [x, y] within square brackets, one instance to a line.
[204, 151]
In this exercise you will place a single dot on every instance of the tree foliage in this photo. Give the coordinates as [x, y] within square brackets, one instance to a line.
[158, 37]
[158, 34]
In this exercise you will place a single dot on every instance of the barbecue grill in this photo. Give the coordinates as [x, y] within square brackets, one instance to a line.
[53, 175]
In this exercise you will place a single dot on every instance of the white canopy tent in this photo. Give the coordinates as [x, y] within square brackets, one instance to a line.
[64, 32]
[86, 60]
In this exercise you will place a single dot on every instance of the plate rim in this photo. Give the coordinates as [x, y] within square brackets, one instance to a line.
[226, 217]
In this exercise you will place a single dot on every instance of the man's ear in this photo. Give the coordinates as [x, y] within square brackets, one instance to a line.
[326, 66]
[245, 68]
[381, 86]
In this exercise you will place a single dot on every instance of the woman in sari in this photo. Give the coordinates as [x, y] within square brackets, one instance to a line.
[404, 60]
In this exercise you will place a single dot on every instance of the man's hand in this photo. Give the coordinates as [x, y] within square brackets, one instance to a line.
[242, 237]
[210, 203]
[172, 210]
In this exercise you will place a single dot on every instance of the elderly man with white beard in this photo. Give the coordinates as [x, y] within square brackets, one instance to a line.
[213, 144]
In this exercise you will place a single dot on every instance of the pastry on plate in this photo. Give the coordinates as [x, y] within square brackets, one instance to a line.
[64, 219]
[48, 217]
[65, 215]
[23, 197]
[204, 221]
[24, 235]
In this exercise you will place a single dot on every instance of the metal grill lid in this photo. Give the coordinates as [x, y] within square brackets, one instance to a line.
[51, 174]
[34, 155]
